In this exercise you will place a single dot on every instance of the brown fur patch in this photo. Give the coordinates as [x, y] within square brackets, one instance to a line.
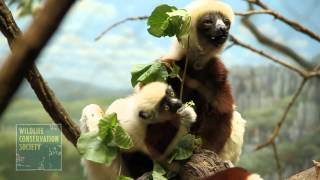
[160, 135]
[214, 115]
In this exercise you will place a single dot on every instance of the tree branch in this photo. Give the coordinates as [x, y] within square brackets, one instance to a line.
[276, 157]
[275, 45]
[301, 72]
[30, 45]
[266, 10]
[135, 18]
[284, 116]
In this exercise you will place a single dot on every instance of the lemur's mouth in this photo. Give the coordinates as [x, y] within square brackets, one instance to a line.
[219, 39]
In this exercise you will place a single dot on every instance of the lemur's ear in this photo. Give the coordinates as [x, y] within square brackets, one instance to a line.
[138, 87]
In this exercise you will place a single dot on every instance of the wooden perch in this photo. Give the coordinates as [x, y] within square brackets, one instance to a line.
[30, 48]
[203, 163]
[309, 174]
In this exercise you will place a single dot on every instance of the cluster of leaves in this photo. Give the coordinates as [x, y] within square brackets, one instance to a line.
[25, 7]
[169, 21]
[103, 146]
[155, 71]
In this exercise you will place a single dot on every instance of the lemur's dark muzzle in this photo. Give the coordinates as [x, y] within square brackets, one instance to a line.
[175, 104]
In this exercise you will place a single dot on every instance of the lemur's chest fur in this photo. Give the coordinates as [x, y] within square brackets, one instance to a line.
[214, 109]
[160, 135]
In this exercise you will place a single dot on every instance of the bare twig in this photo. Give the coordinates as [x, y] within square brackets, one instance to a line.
[29, 47]
[228, 47]
[253, 12]
[301, 72]
[295, 25]
[135, 18]
[184, 71]
[275, 45]
[276, 130]
[278, 162]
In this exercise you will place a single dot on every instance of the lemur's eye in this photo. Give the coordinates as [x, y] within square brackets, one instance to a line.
[207, 21]
[172, 94]
[166, 108]
[145, 115]
[226, 22]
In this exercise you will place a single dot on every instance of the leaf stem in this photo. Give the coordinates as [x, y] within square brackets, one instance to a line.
[184, 70]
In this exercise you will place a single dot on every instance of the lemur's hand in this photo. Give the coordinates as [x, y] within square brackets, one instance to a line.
[188, 115]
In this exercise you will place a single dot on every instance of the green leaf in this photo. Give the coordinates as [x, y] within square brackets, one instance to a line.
[169, 21]
[122, 138]
[124, 178]
[147, 73]
[158, 20]
[184, 148]
[106, 127]
[158, 176]
[175, 71]
[158, 168]
[181, 20]
[91, 147]
[158, 172]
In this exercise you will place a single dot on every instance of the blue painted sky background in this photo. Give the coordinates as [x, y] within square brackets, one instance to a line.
[74, 55]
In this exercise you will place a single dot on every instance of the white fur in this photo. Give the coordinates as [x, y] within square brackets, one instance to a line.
[219, 22]
[254, 177]
[127, 114]
[232, 149]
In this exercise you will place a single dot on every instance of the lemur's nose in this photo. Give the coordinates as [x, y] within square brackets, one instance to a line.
[175, 104]
[221, 28]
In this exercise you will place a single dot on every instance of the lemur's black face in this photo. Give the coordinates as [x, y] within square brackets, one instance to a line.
[214, 27]
[165, 110]
[169, 102]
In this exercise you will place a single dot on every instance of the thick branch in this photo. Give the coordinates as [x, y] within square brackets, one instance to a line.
[10, 29]
[52, 105]
[295, 25]
[7, 23]
[310, 174]
[275, 45]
